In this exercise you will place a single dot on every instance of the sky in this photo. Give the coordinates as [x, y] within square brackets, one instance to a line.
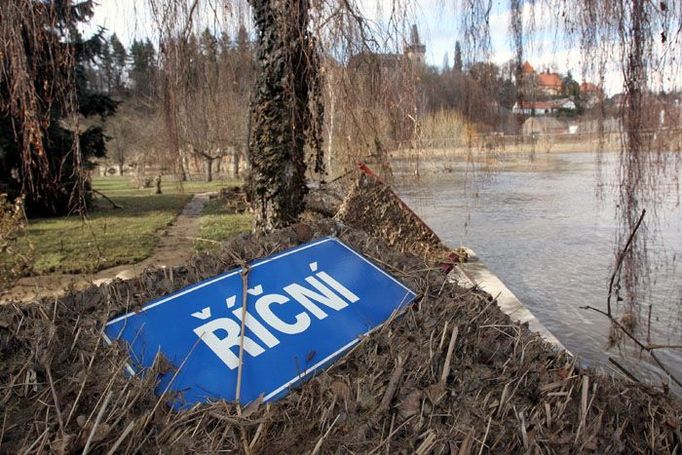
[439, 27]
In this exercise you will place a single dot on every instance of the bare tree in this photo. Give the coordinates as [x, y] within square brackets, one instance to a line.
[213, 112]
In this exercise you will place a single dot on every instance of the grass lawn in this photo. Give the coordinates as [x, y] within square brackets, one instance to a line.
[110, 237]
[218, 225]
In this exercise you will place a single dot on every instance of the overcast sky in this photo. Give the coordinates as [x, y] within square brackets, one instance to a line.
[439, 27]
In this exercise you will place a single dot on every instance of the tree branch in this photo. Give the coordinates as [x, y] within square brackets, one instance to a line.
[648, 348]
[114, 204]
[619, 261]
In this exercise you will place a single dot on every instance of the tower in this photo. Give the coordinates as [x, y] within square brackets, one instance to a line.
[415, 50]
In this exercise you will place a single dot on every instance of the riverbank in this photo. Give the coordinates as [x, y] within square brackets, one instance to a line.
[452, 374]
[479, 275]
[520, 148]
[417, 162]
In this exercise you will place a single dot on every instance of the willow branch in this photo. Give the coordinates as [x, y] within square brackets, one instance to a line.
[648, 348]
[619, 262]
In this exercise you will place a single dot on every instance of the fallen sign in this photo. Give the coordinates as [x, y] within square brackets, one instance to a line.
[305, 307]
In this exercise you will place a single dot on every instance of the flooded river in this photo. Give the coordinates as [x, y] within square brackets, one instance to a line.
[540, 226]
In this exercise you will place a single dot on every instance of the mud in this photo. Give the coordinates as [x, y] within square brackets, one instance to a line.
[372, 206]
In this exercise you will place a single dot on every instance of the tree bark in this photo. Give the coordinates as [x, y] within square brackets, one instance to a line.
[182, 167]
[236, 155]
[279, 113]
[209, 169]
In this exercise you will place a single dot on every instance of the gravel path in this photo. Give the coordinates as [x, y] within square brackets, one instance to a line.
[175, 247]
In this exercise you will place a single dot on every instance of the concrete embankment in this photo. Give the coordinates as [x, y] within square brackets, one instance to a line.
[475, 273]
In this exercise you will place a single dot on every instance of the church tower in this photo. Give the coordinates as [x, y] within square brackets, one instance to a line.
[415, 50]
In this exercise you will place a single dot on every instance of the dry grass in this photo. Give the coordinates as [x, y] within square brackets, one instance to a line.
[451, 375]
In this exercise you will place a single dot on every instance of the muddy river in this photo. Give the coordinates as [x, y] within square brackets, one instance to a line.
[541, 226]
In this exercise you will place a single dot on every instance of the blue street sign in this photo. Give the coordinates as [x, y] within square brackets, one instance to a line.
[305, 307]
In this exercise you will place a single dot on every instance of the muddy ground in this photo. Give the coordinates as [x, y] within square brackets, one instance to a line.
[453, 375]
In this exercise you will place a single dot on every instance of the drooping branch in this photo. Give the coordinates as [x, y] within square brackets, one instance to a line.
[644, 347]
[619, 261]
[649, 348]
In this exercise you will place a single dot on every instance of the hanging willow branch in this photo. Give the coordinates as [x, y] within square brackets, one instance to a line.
[43, 96]
[619, 262]
[649, 348]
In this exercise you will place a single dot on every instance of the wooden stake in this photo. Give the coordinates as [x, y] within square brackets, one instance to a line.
[245, 282]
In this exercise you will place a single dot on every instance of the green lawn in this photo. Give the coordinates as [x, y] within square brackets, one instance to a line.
[218, 225]
[110, 236]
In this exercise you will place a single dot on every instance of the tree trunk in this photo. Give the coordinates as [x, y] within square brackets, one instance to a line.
[280, 117]
[209, 169]
[182, 167]
[236, 155]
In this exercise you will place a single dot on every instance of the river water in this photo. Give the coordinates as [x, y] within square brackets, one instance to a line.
[540, 226]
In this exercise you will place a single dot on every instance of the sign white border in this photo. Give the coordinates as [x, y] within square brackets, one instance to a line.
[252, 266]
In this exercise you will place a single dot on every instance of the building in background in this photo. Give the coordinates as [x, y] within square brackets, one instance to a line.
[590, 94]
[549, 84]
[546, 107]
[536, 86]
[415, 50]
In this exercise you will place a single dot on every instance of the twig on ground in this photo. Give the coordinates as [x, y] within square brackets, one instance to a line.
[98, 419]
[113, 203]
[487, 429]
[317, 447]
[60, 419]
[448, 356]
[392, 386]
[120, 439]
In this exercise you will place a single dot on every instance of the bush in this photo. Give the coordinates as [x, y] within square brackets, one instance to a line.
[16, 251]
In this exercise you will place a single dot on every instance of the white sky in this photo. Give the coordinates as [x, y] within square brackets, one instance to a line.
[439, 27]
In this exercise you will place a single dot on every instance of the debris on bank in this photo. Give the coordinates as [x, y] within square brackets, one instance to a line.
[372, 206]
[453, 375]
[233, 199]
